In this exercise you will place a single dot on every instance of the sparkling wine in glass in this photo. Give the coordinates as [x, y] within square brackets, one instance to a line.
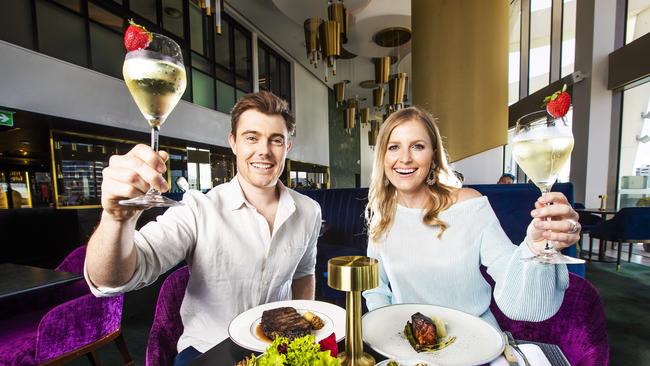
[155, 76]
[541, 146]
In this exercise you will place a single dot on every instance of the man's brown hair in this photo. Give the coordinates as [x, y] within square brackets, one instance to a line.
[264, 102]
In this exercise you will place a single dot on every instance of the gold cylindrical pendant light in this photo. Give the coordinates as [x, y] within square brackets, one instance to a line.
[312, 40]
[339, 92]
[330, 37]
[372, 134]
[364, 115]
[339, 13]
[350, 115]
[382, 69]
[396, 88]
[378, 97]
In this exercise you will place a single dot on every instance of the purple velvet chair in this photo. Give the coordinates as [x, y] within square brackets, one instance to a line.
[579, 327]
[167, 324]
[62, 324]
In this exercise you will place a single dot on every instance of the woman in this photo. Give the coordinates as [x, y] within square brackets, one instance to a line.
[431, 236]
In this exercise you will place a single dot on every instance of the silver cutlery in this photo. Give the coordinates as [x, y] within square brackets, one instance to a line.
[509, 353]
[511, 342]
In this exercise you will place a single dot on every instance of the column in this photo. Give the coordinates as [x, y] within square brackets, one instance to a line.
[460, 71]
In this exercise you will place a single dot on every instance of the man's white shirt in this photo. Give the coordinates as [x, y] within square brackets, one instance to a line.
[235, 261]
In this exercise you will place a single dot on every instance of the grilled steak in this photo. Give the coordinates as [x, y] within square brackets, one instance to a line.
[284, 322]
[423, 329]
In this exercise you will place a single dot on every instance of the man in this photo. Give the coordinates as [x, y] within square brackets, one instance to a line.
[246, 242]
[506, 178]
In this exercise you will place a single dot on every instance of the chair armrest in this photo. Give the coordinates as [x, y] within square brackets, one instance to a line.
[77, 323]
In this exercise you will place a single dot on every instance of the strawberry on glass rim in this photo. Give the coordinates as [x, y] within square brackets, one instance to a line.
[557, 104]
[136, 37]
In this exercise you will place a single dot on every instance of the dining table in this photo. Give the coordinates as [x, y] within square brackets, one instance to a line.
[17, 279]
[229, 353]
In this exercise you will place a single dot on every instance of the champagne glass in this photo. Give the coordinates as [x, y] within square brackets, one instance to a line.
[156, 80]
[541, 146]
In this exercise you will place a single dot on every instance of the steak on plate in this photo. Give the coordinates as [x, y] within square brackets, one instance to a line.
[424, 330]
[284, 322]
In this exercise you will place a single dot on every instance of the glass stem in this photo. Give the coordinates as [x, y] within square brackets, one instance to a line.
[154, 137]
[154, 145]
[549, 245]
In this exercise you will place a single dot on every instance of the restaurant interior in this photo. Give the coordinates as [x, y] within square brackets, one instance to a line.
[344, 66]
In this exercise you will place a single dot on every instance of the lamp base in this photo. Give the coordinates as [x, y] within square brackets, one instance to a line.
[364, 360]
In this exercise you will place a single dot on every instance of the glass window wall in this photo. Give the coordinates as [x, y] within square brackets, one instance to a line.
[540, 45]
[638, 19]
[568, 37]
[634, 163]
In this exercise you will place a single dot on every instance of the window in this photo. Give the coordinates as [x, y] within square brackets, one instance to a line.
[107, 51]
[146, 9]
[17, 28]
[514, 53]
[274, 72]
[638, 19]
[61, 33]
[172, 13]
[634, 163]
[196, 28]
[203, 89]
[242, 46]
[222, 46]
[568, 37]
[540, 44]
[263, 67]
[199, 173]
[225, 97]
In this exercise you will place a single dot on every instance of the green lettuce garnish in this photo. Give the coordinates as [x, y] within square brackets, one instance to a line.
[303, 351]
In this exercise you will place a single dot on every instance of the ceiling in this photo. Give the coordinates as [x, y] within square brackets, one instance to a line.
[282, 22]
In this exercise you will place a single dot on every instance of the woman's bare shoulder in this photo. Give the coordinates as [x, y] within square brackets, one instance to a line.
[465, 194]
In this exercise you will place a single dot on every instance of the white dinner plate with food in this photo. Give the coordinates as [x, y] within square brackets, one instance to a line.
[245, 330]
[476, 341]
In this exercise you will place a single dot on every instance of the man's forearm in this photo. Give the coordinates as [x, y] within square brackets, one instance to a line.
[110, 256]
[303, 288]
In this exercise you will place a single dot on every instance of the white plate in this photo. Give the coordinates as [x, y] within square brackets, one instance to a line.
[477, 342]
[242, 328]
[406, 362]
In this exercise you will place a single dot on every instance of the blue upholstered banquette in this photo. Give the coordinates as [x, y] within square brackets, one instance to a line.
[344, 231]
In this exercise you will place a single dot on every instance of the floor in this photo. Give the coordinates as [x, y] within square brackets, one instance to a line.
[626, 295]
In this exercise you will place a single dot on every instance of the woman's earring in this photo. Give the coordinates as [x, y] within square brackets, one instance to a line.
[386, 182]
[431, 179]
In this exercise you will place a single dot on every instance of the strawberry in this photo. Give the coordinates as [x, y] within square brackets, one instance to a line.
[557, 105]
[136, 37]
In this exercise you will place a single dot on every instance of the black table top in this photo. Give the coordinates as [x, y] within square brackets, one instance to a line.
[228, 353]
[17, 278]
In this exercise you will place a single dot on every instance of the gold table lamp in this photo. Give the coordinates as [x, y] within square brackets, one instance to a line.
[353, 274]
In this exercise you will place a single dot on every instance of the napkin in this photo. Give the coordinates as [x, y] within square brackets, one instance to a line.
[329, 343]
[534, 354]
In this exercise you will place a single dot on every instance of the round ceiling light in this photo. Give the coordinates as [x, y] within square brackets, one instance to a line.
[368, 84]
[392, 37]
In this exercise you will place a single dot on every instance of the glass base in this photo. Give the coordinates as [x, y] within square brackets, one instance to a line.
[553, 257]
[150, 200]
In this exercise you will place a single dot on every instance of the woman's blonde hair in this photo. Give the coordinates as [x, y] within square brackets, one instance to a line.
[380, 211]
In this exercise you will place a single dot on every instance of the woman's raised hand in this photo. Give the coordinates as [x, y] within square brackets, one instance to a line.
[563, 229]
